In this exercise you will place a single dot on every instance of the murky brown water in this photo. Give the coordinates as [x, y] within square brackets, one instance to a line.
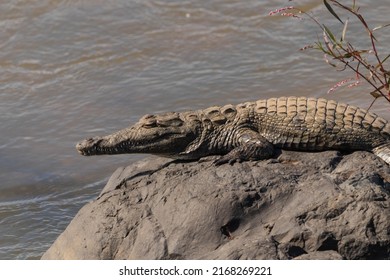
[73, 69]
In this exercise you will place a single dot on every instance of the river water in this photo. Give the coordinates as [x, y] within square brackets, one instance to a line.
[75, 69]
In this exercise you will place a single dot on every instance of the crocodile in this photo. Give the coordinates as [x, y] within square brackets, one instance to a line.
[250, 131]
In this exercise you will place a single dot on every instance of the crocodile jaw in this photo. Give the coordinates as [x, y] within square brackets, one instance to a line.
[167, 141]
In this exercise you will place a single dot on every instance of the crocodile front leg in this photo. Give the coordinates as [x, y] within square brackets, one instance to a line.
[251, 146]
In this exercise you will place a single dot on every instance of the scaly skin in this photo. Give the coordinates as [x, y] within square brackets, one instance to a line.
[250, 131]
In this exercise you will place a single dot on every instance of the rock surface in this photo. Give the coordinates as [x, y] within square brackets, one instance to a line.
[295, 206]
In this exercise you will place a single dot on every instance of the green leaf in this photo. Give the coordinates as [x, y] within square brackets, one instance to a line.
[383, 70]
[385, 58]
[330, 9]
[320, 47]
[330, 34]
[376, 94]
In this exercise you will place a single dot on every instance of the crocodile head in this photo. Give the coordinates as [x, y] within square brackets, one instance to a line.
[169, 135]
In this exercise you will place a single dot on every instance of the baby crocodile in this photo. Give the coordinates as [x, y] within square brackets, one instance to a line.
[250, 131]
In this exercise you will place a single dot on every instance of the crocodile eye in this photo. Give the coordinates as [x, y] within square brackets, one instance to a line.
[149, 123]
[170, 123]
[147, 117]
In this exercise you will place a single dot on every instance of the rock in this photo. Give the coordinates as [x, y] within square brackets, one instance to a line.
[296, 206]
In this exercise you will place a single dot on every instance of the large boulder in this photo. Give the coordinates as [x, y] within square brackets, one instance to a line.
[295, 206]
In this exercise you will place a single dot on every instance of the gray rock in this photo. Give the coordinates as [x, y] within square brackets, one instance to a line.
[296, 206]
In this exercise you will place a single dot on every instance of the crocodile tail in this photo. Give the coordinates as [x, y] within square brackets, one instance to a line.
[383, 151]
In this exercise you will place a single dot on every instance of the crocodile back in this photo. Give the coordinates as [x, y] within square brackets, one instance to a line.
[318, 124]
